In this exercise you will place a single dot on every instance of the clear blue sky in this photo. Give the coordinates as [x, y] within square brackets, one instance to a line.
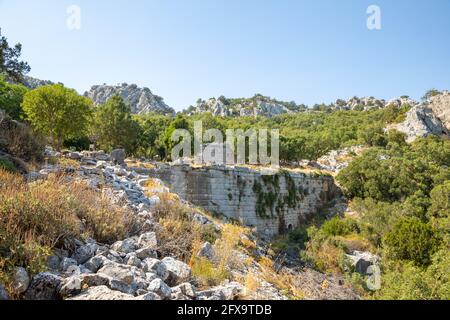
[306, 51]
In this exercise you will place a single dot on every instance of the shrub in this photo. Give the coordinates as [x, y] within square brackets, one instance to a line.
[11, 96]
[413, 240]
[339, 227]
[208, 273]
[37, 218]
[406, 281]
[439, 211]
[179, 233]
[20, 141]
[7, 165]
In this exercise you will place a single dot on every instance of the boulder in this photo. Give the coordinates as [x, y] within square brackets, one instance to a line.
[150, 296]
[118, 156]
[160, 288]
[85, 252]
[157, 267]
[228, 291]
[94, 280]
[70, 286]
[421, 122]
[102, 293]
[125, 246]
[45, 286]
[121, 272]
[145, 253]
[361, 261]
[95, 263]
[66, 263]
[53, 262]
[440, 105]
[186, 289]
[206, 251]
[21, 280]
[3, 293]
[178, 272]
[148, 240]
[132, 260]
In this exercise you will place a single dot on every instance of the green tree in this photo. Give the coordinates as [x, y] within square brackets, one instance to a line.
[9, 61]
[180, 122]
[114, 126]
[439, 211]
[11, 97]
[412, 240]
[58, 112]
[153, 127]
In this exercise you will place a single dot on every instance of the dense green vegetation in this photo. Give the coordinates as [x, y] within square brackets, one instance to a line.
[113, 126]
[10, 65]
[11, 97]
[401, 194]
[58, 112]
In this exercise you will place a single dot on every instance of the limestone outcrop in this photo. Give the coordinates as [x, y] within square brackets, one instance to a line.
[421, 121]
[253, 107]
[141, 100]
[440, 105]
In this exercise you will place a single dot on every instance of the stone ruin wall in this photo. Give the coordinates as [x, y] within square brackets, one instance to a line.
[272, 204]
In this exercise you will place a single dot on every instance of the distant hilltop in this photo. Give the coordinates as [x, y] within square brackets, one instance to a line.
[141, 100]
[33, 83]
[260, 105]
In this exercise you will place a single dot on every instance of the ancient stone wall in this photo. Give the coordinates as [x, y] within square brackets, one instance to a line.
[272, 204]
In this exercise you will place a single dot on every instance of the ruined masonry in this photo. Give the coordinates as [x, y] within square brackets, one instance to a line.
[273, 204]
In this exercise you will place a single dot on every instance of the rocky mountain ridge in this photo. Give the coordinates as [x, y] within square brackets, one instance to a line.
[141, 100]
[429, 118]
[256, 106]
[268, 107]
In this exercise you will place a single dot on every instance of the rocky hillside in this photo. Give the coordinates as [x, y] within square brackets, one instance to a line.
[257, 106]
[33, 83]
[367, 103]
[431, 118]
[152, 263]
[268, 107]
[142, 100]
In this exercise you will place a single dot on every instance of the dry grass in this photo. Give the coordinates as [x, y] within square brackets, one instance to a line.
[21, 141]
[356, 242]
[280, 279]
[210, 273]
[251, 283]
[39, 217]
[68, 163]
[327, 257]
[179, 234]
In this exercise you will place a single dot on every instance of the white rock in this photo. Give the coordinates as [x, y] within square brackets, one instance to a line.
[156, 266]
[102, 293]
[179, 272]
[21, 280]
[206, 251]
[66, 263]
[125, 246]
[151, 296]
[186, 289]
[148, 240]
[160, 288]
[121, 272]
